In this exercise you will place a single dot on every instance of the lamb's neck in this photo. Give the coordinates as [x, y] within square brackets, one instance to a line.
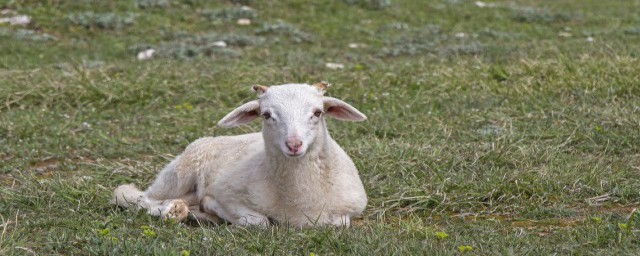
[313, 167]
[307, 175]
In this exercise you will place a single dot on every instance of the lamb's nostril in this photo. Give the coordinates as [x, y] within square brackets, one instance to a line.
[294, 145]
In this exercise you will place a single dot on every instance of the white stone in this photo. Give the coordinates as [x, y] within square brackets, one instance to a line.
[334, 65]
[220, 44]
[17, 20]
[146, 54]
[244, 22]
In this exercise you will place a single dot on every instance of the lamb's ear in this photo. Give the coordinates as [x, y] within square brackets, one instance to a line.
[341, 110]
[241, 115]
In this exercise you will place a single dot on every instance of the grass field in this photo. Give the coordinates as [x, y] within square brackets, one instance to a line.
[502, 127]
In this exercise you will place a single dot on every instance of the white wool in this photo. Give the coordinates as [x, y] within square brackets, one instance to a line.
[292, 172]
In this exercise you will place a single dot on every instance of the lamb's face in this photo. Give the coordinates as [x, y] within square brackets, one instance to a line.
[291, 117]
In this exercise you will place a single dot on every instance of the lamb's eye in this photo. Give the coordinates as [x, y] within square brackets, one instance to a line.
[266, 115]
[317, 113]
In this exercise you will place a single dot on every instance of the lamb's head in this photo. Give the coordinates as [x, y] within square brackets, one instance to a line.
[292, 115]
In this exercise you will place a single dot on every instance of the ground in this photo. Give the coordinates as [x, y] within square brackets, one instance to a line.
[501, 127]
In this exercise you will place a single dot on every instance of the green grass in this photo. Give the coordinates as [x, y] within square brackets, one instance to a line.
[501, 128]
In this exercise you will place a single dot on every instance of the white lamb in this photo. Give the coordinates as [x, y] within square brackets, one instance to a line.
[292, 172]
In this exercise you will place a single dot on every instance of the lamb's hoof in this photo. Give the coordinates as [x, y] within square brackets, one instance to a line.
[196, 215]
[176, 210]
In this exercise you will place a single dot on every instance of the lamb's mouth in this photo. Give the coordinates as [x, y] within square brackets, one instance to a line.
[294, 155]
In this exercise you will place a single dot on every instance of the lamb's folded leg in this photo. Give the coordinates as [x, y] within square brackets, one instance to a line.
[233, 212]
[130, 196]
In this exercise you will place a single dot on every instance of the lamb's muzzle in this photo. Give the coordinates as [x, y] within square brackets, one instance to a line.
[293, 144]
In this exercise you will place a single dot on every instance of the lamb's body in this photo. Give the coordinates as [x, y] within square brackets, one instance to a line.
[245, 180]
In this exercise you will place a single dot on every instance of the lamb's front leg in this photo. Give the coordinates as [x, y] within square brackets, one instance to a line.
[130, 196]
[234, 212]
[339, 220]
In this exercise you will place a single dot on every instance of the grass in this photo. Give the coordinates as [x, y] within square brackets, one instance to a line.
[506, 129]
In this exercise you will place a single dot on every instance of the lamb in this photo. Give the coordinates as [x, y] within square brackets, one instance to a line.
[291, 173]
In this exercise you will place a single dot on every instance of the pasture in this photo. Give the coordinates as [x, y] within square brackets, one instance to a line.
[501, 127]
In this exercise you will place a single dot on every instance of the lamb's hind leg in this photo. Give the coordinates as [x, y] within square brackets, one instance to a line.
[233, 212]
[169, 196]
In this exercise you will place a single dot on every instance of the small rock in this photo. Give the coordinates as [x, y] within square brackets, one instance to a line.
[17, 20]
[244, 22]
[589, 39]
[461, 35]
[483, 4]
[564, 34]
[334, 65]
[146, 54]
[221, 44]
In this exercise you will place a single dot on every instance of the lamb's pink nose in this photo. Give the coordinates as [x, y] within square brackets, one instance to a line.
[293, 144]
